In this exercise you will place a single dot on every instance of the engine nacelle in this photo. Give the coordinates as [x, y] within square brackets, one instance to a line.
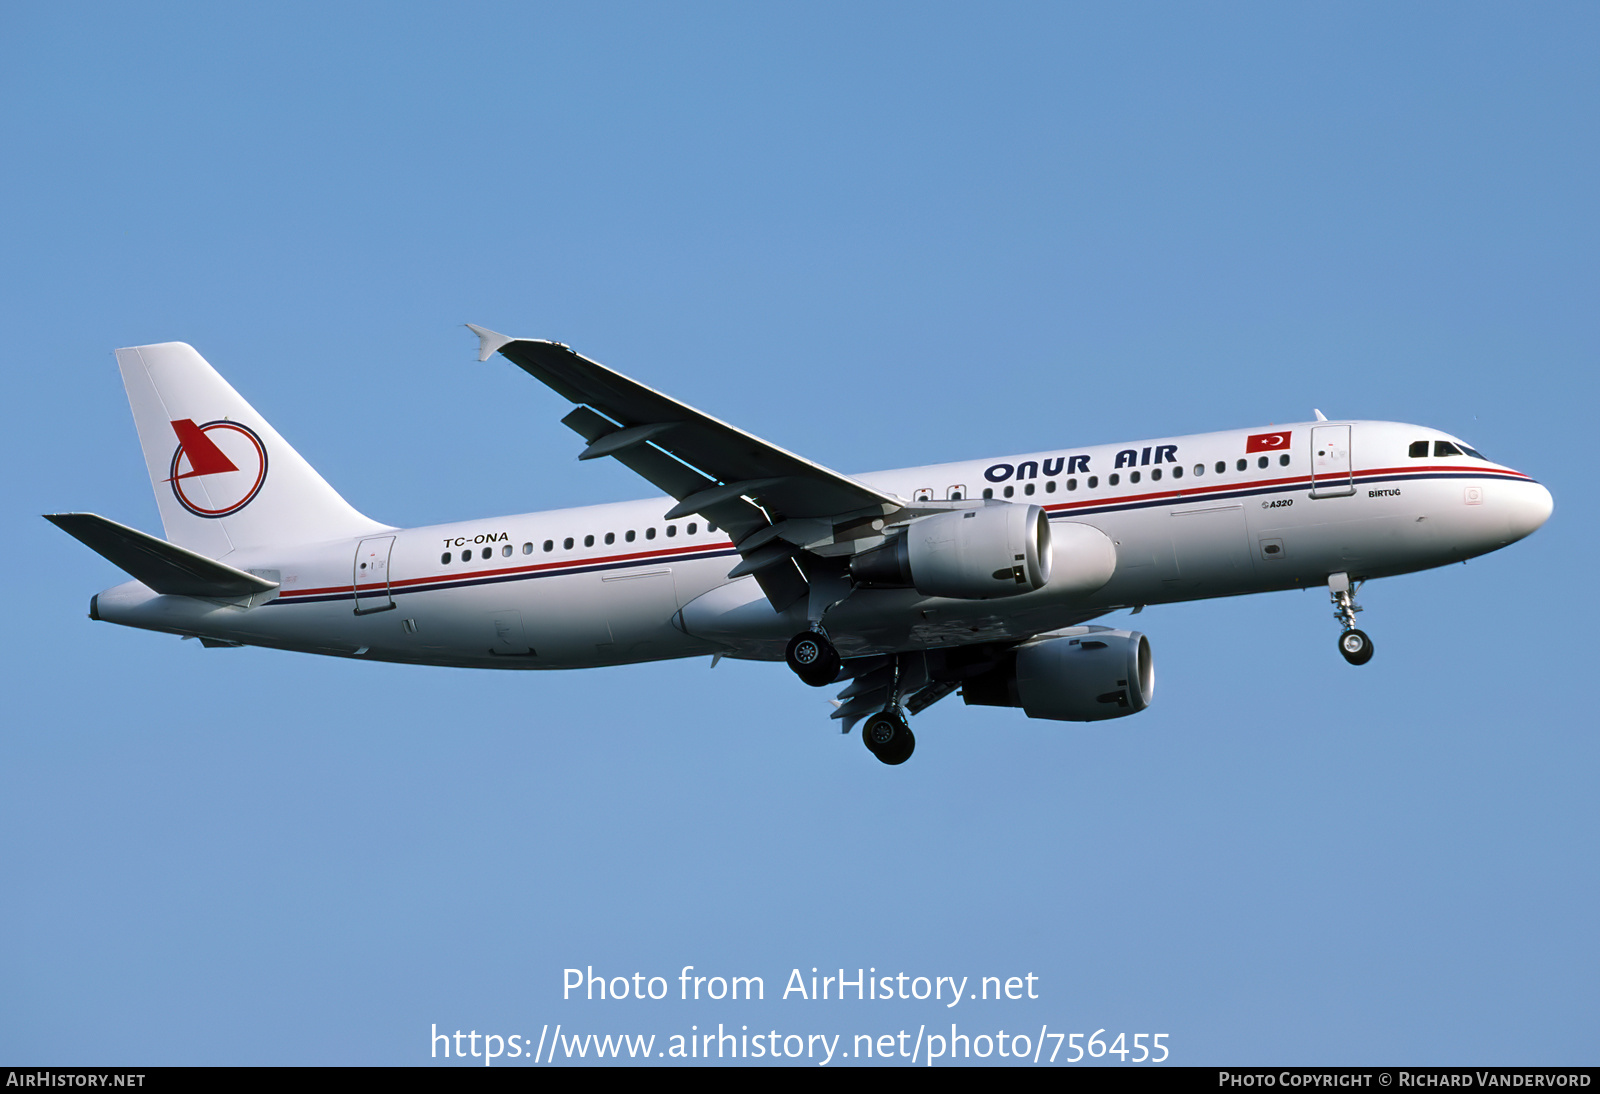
[968, 554]
[1088, 677]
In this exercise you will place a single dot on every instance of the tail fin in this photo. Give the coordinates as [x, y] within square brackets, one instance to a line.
[224, 479]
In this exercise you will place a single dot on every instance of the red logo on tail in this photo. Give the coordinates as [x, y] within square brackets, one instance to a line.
[205, 458]
[229, 457]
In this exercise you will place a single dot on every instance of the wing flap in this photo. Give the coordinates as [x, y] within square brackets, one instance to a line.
[784, 585]
[872, 689]
[664, 472]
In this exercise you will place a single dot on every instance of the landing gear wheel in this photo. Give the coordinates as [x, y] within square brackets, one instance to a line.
[1355, 647]
[887, 737]
[813, 658]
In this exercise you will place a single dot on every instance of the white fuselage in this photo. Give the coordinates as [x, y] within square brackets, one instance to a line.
[611, 584]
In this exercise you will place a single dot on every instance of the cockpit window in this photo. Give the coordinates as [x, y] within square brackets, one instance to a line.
[1475, 454]
[1445, 448]
[1419, 450]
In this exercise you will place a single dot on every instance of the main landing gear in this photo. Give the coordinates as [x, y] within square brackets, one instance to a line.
[813, 658]
[888, 737]
[1354, 645]
[886, 734]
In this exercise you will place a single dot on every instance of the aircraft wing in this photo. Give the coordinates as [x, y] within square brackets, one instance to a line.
[735, 480]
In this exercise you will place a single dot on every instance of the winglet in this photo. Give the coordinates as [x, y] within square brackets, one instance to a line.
[488, 341]
[1321, 417]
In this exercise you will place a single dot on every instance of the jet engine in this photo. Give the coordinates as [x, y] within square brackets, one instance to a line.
[1076, 677]
[969, 554]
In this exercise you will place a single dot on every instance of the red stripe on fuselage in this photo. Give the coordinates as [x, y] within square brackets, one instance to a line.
[506, 571]
[1184, 493]
[1202, 492]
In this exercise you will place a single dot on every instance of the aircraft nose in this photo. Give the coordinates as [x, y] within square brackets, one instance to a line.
[1531, 506]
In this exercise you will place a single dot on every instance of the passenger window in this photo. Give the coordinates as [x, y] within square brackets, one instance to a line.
[588, 541]
[1221, 467]
[988, 492]
[445, 557]
[1155, 474]
[1261, 462]
[566, 544]
[956, 493]
[611, 537]
[692, 527]
[1200, 469]
[549, 545]
[527, 548]
[923, 493]
[1050, 487]
[1419, 450]
[1445, 448]
[1283, 460]
[1177, 472]
[649, 533]
[505, 551]
[1112, 481]
[672, 529]
[1134, 477]
[1072, 484]
[1028, 490]
[1094, 481]
[629, 535]
[1242, 464]
[1010, 491]
[488, 552]
[711, 528]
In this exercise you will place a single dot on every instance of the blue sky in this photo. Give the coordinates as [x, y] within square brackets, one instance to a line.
[878, 235]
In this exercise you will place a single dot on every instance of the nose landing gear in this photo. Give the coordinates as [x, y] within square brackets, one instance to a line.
[1354, 645]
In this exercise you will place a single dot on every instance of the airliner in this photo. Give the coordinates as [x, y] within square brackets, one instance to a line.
[978, 577]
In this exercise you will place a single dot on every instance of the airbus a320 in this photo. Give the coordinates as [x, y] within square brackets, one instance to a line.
[979, 577]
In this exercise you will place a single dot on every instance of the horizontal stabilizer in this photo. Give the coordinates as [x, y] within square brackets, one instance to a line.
[164, 567]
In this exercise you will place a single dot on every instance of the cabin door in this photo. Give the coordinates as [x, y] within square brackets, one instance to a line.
[371, 578]
[1330, 462]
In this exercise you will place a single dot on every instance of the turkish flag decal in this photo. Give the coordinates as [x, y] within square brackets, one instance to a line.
[1266, 442]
